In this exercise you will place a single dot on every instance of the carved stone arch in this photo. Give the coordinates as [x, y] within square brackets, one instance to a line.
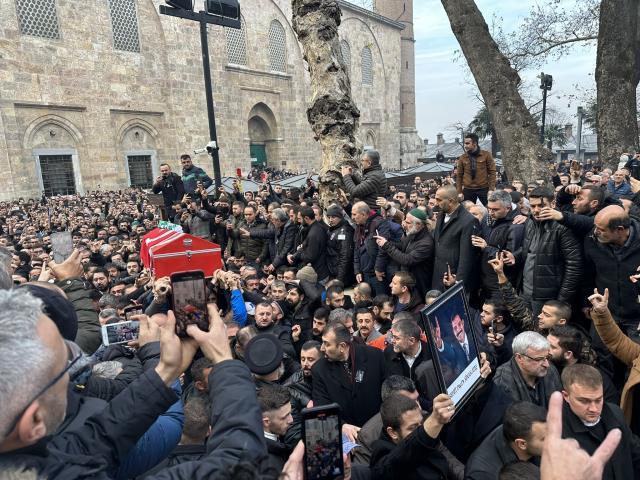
[54, 122]
[264, 113]
[370, 139]
[136, 123]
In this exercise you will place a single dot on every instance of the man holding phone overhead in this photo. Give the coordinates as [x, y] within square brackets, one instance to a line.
[171, 186]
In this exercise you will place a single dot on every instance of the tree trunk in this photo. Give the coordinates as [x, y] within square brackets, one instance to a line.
[332, 114]
[617, 79]
[522, 155]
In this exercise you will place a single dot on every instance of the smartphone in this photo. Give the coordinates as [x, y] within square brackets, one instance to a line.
[189, 301]
[61, 246]
[321, 431]
[132, 311]
[122, 332]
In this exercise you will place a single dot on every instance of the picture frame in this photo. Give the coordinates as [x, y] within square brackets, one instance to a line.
[456, 357]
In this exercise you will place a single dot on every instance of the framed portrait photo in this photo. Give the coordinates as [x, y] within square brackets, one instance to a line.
[453, 345]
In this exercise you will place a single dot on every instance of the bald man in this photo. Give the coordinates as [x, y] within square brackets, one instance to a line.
[452, 240]
[612, 256]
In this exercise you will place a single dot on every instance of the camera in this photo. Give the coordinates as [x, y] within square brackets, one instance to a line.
[209, 148]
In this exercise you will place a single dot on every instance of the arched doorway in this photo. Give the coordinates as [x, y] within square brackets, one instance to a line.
[262, 135]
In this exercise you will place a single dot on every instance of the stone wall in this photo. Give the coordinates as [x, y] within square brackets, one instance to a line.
[79, 95]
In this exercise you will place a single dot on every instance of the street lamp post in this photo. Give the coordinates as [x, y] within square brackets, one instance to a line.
[218, 12]
[546, 82]
[579, 133]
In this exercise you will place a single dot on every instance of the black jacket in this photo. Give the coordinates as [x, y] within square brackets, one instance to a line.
[415, 457]
[509, 377]
[453, 247]
[106, 438]
[501, 235]
[395, 364]
[606, 268]
[340, 252]
[558, 261]
[279, 242]
[359, 396]
[625, 462]
[487, 460]
[372, 185]
[172, 190]
[367, 257]
[314, 250]
[414, 254]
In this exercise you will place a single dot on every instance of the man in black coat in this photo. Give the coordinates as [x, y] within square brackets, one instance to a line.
[612, 255]
[588, 419]
[371, 185]
[550, 258]
[519, 438]
[280, 238]
[350, 375]
[171, 186]
[414, 252]
[408, 446]
[500, 234]
[452, 238]
[407, 351]
[340, 246]
[314, 247]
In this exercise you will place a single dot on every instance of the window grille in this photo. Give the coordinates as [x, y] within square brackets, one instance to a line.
[38, 18]
[367, 66]
[57, 175]
[124, 23]
[277, 47]
[236, 44]
[140, 174]
[346, 54]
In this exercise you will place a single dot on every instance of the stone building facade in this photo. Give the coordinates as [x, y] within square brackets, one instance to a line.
[99, 97]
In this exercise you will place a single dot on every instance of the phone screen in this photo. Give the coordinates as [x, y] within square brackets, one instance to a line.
[189, 301]
[323, 445]
[61, 246]
[122, 332]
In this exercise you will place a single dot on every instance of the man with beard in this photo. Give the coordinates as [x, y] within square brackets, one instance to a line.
[371, 185]
[350, 375]
[302, 379]
[550, 257]
[588, 201]
[302, 299]
[569, 347]
[403, 289]
[193, 177]
[339, 246]
[452, 238]
[100, 280]
[476, 171]
[314, 246]
[266, 324]
[320, 320]
[280, 238]
[172, 189]
[414, 252]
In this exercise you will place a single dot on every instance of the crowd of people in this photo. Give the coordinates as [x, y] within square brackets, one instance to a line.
[319, 305]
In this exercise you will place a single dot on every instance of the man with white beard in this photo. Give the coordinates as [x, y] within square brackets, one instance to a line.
[414, 252]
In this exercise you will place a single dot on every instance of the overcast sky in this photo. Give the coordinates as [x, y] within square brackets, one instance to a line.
[442, 95]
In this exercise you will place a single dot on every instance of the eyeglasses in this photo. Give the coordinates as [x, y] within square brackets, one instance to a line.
[41, 392]
[537, 359]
